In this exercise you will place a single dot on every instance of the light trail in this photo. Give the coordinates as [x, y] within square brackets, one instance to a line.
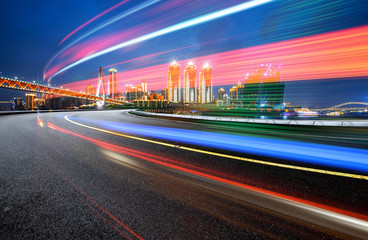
[189, 23]
[91, 203]
[92, 19]
[331, 214]
[116, 18]
[256, 145]
[338, 54]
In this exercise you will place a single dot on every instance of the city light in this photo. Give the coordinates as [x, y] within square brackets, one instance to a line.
[323, 155]
[184, 119]
[325, 52]
[176, 27]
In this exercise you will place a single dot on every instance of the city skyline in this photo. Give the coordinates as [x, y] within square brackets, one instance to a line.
[184, 119]
[204, 46]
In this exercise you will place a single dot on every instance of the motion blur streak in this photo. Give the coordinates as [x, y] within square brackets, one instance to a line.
[83, 196]
[89, 201]
[314, 170]
[92, 19]
[174, 28]
[120, 16]
[319, 154]
[330, 55]
[335, 213]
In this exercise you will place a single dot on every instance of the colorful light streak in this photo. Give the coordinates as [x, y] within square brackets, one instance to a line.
[92, 19]
[171, 165]
[311, 153]
[116, 18]
[332, 55]
[186, 24]
[169, 12]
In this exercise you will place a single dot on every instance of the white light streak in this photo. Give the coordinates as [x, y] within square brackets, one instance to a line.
[174, 28]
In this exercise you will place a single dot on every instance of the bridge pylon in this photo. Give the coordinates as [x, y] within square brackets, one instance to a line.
[101, 81]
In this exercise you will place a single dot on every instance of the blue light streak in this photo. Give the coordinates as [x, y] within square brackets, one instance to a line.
[189, 23]
[109, 22]
[319, 154]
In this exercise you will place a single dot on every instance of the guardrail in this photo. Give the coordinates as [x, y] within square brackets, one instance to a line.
[338, 123]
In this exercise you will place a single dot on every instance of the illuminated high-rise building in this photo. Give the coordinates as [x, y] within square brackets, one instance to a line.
[18, 103]
[113, 89]
[30, 101]
[173, 83]
[91, 90]
[133, 93]
[164, 93]
[144, 86]
[205, 84]
[38, 102]
[221, 93]
[236, 92]
[264, 88]
[190, 84]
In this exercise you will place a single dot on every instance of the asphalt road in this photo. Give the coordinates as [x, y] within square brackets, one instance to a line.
[88, 176]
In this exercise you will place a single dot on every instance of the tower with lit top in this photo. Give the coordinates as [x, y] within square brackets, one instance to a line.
[190, 83]
[113, 84]
[173, 83]
[205, 84]
[144, 86]
[221, 93]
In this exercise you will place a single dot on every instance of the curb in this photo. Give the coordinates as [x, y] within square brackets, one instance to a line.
[327, 123]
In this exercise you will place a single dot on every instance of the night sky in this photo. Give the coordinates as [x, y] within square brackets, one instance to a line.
[33, 31]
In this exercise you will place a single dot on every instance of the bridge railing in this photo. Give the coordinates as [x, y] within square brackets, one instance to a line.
[39, 88]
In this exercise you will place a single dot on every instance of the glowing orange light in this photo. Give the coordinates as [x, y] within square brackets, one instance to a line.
[338, 54]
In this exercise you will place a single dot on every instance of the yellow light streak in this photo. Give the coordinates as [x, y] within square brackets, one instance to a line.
[287, 166]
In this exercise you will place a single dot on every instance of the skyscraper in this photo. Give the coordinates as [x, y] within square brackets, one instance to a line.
[30, 101]
[133, 93]
[173, 83]
[205, 84]
[113, 84]
[264, 88]
[236, 93]
[221, 93]
[144, 86]
[190, 83]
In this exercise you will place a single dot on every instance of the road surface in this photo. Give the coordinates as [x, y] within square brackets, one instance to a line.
[114, 175]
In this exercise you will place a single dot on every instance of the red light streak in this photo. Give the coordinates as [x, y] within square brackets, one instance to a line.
[79, 193]
[155, 159]
[92, 19]
[338, 54]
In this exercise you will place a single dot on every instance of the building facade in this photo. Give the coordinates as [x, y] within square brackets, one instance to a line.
[205, 84]
[221, 93]
[18, 103]
[112, 91]
[133, 93]
[30, 101]
[173, 83]
[190, 84]
[264, 88]
[144, 86]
